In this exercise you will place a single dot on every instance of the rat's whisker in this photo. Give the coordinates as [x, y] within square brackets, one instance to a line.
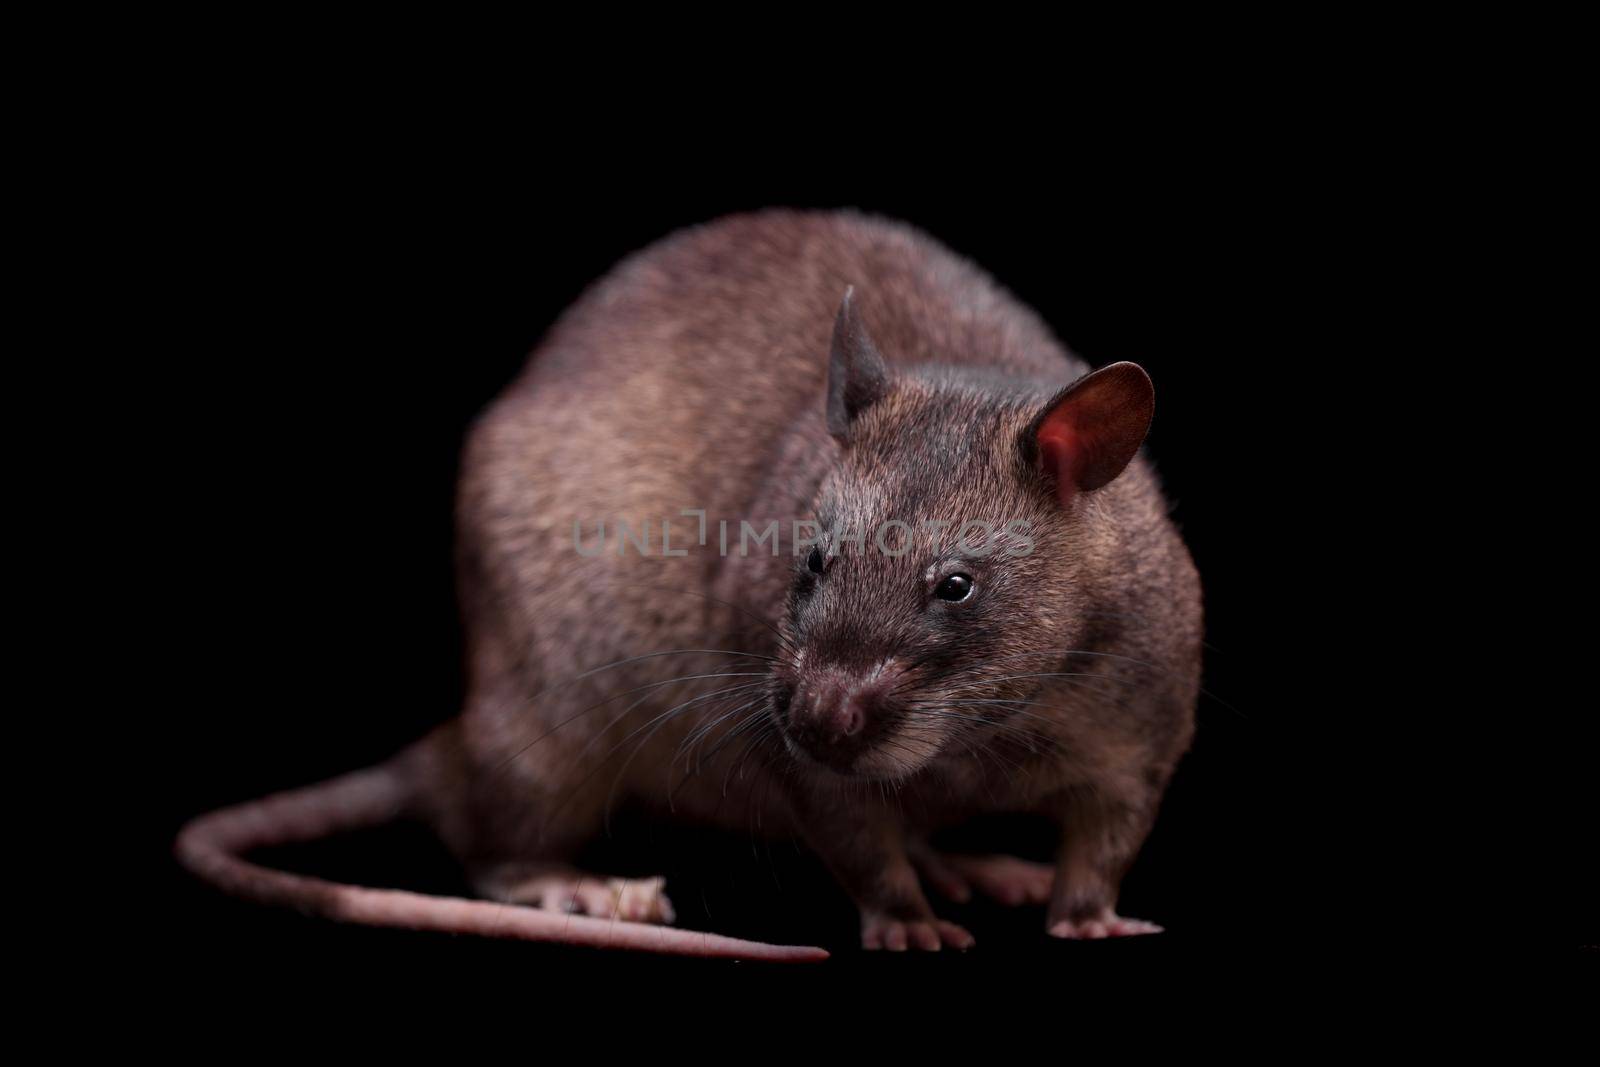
[618, 696]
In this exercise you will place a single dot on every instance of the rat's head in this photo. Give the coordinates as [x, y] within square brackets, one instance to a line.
[952, 536]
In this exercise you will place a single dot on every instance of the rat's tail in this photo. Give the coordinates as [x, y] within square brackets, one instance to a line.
[212, 847]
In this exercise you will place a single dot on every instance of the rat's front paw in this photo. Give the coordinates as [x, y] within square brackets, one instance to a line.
[880, 931]
[1106, 924]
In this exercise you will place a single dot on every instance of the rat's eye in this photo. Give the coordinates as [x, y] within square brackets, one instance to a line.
[955, 588]
[814, 561]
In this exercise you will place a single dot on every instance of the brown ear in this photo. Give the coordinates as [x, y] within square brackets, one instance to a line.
[857, 375]
[1091, 429]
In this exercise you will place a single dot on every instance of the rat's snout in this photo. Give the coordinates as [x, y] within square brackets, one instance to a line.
[834, 709]
[835, 713]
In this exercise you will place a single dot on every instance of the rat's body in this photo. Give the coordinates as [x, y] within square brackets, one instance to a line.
[857, 704]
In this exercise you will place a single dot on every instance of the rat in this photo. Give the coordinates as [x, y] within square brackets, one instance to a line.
[795, 523]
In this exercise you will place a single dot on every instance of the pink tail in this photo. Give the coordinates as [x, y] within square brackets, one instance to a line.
[211, 845]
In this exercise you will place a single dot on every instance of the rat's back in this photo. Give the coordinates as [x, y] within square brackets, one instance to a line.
[668, 384]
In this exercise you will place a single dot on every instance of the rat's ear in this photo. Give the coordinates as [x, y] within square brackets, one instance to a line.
[857, 375]
[1090, 430]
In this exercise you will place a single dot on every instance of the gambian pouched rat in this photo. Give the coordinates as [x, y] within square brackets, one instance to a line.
[795, 522]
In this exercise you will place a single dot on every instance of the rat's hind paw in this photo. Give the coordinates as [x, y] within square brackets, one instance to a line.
[1107, 924]
[564, 889]
[1006, 879]
[897, 935]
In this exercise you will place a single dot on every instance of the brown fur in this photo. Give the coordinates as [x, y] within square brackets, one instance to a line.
[694, 376]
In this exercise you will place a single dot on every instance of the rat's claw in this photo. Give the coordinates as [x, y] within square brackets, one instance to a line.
[1106, 924]
[954, 936]
[642, 900]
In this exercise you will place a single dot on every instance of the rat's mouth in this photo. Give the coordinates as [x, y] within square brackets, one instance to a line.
[816, 738]
[879, 758]
[824, 757]
[853, 723]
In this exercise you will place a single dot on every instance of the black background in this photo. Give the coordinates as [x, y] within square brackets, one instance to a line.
[343, 305]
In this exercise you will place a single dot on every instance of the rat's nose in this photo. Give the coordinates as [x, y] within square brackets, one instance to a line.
[833, 714]
[837, 709]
